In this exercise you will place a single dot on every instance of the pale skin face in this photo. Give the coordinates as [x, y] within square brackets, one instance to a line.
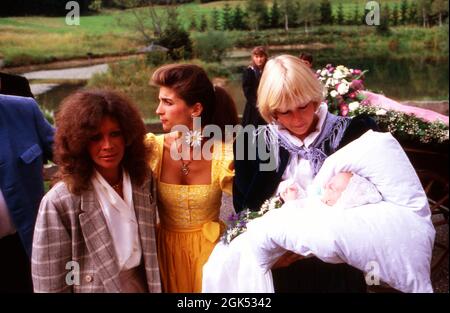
[334, 188]
[300, 121]
[173, 110]
[106, 149]
[259, 60]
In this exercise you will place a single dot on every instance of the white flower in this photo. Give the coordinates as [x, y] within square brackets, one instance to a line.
[193, 138]
[353, 105]
[324, 72]
[338, 74]
[381, 112]
[343, 87]
[344, 70]
[333, 93]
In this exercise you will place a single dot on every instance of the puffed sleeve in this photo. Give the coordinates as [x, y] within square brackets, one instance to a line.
[226, 169]
[152, 142]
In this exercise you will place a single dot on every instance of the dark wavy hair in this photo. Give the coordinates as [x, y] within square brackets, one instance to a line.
[192, 84]
[78, 120]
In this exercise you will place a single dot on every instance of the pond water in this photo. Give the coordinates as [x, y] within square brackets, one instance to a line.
[404, 79]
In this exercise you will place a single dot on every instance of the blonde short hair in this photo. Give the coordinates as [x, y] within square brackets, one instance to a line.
[285, 83]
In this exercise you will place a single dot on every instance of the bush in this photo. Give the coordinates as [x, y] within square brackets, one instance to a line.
[214, 69]
[177, 41]
[155, 58]
[212, 46]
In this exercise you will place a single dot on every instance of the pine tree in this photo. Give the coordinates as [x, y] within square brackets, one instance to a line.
[340, 15]
[404, 12]
[238, 18]
[265, 17]
[275, 15]
[326, 14]
[215, 19]
[193, 24]
[227, 17]
[413, 14]
[203, 23]
[356, 17]
[395, 15]
[383, 28]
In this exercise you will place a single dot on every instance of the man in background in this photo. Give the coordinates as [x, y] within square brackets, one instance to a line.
[26, 141]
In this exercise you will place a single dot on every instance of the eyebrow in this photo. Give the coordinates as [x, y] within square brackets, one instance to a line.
[166, 99]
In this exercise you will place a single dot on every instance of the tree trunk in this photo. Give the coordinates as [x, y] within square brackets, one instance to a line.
[440, 19]
[286, 22]
[424, 18]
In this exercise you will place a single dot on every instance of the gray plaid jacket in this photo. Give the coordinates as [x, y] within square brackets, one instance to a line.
[73, 249]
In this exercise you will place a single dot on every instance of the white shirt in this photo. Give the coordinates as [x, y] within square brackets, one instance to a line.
[297, 169]
[6, 224]
[121, 220]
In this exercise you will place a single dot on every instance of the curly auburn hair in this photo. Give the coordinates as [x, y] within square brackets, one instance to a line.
[78, 120]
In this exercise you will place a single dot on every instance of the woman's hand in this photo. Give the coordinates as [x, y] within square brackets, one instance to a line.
[287, 259]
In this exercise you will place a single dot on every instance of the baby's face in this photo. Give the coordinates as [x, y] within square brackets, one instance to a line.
[334, 188]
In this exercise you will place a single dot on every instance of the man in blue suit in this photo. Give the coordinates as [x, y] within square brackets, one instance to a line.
[26, 140]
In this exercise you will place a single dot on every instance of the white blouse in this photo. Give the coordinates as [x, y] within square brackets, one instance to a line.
[121, 220]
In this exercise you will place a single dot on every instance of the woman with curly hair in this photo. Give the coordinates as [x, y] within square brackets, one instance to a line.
[95, 228]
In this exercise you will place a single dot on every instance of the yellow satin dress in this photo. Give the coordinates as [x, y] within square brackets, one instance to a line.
[189, 225]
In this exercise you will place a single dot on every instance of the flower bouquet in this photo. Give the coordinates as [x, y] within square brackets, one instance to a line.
[342, 86]
[237, 223]
[344, 93]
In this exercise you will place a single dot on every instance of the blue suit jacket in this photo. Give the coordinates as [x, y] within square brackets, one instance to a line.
[26, 141]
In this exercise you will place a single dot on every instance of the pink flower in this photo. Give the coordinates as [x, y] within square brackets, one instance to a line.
[352, 95]
[357, 72]
[357, 84]
[343, 108]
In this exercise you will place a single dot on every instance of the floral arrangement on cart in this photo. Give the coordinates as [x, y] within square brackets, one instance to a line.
[346, 95]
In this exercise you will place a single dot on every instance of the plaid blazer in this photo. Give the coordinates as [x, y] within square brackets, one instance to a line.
[73, 249]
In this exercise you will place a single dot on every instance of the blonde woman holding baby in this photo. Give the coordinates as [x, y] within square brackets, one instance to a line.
[290, 99]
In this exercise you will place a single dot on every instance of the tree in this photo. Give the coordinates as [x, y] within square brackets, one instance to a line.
[326, 14]
[193, 24]
[212, 46]
[238, 18]
[288, 13]
[340, 14]
[424, 8]
[356, 17]
[395, 15]
[175, 38]
[215, 19]
[257, 14]
[309, 13]
[275, 15]
[439, 8]
[413, 14]
[227, 17]
[203, 23]
[383, 28]
[404, 12]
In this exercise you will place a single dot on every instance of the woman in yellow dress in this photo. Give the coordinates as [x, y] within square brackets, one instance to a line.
[189, 189]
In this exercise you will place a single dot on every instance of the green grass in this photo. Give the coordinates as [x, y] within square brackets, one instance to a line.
[27, 40]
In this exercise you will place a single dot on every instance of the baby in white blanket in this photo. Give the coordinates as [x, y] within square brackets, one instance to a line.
[345, 190]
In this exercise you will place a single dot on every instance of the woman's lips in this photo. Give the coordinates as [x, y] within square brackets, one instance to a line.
[108, 158]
